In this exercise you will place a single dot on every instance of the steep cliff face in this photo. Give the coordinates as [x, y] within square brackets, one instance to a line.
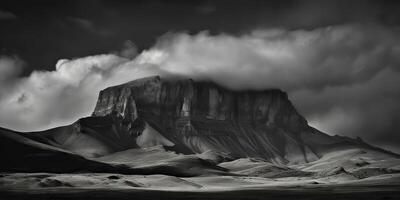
[195, 117]
[198, 100]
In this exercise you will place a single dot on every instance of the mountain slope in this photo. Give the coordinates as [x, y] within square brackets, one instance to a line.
[21, 154]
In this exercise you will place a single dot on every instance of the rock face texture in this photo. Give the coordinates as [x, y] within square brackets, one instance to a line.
[197, 117]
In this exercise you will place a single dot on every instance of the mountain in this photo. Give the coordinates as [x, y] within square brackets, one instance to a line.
[189, 123]
[196, 117]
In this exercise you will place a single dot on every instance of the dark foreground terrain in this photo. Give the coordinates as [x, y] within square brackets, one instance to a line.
[341, 192]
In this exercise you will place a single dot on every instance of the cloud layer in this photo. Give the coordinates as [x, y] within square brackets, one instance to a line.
[345, 78]
[292, 60]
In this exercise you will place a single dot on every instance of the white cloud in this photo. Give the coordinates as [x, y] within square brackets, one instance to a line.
[290, 60]
[46, 99]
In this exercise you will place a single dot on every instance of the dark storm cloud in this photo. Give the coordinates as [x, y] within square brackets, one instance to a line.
[89, 26]
[83, 23]
[316, 13]
[369, 109]
[5, 15]
[40, 38]
[206, 9]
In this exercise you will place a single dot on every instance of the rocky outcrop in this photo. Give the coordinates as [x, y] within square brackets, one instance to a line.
[195, 117]
[198, 100]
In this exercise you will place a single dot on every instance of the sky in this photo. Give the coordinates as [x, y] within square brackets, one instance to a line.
[338, 60]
